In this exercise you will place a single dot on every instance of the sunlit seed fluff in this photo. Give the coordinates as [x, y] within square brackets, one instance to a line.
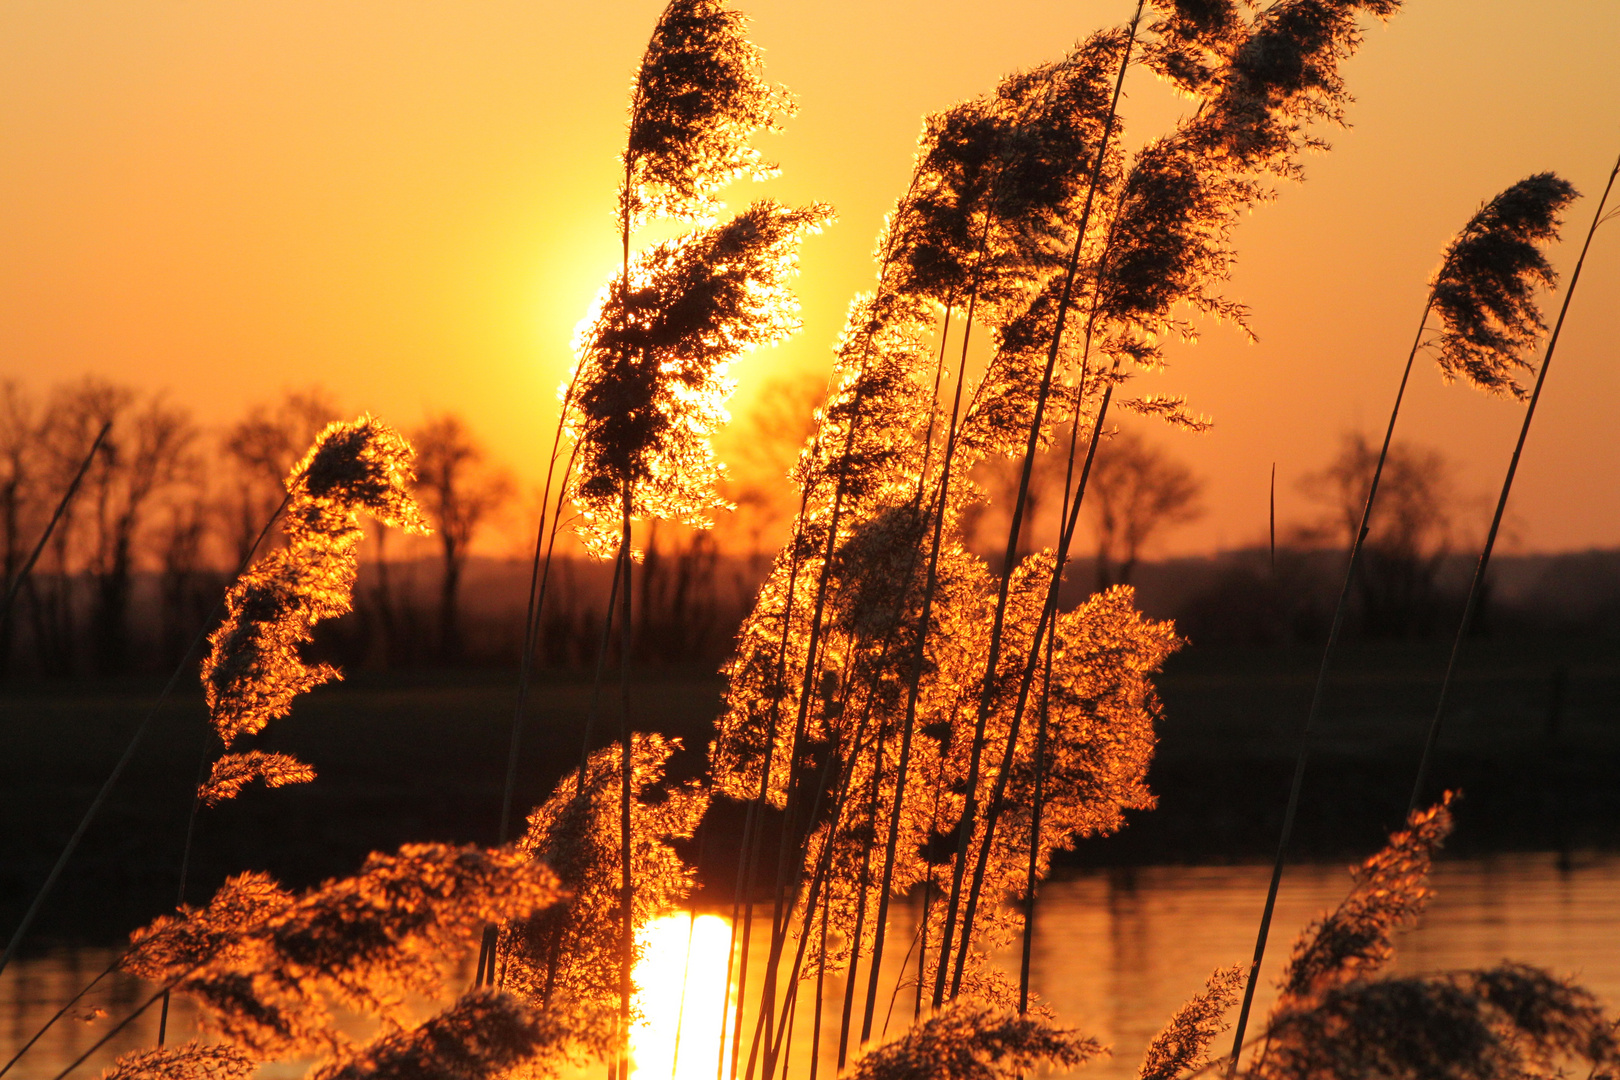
[233, 772]
[1182, 1045]
[485, 1034]
[265, 967]
[1390, 892]
[255, 668]
[699, 97]
[970, 1042]
[566, 957]
[189, 1061]
[1484, 291]
[650, 386]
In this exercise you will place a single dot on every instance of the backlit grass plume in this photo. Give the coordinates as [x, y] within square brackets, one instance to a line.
[1484, 291]
[565, 957]
[1336, 1018]
[1391, 890]
[1182, 1045]
[233, 772]
[651, 384]
[1509, 1022]
[264, 966]
[698, 99]
[486, 1034]
[192, 1061]
[255, 668]
[969, 1042]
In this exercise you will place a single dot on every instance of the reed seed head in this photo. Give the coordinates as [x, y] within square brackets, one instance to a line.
[1484, 291]
[699, 97]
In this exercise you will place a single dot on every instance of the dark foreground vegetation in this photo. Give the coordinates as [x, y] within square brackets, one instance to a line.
[1533, 747]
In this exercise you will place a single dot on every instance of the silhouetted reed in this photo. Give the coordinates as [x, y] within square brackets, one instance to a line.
[1509, 309]
[1482, 293]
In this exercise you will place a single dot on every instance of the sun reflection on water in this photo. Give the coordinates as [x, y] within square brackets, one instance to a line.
[680, 987]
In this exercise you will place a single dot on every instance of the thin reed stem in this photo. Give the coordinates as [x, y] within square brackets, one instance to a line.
[1307, 730]
[1476, 588]
[914, 685]
[185, 860]
[680, 1012]
[50, 526]
[1035, 825]
[627, 932]
[1273, 504]
[135, 740]
[602, 648]
[997, 626]
[821, 977]
[63, 1011]
[864, 884]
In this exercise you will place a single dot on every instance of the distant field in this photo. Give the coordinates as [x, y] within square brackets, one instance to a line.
[421, 757]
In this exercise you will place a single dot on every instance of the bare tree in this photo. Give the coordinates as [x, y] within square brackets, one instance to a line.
[147, 450]
[1135, 493]
[459, 488]
[1410, 535]
[21, 462]
[265, 445]
[188, 583]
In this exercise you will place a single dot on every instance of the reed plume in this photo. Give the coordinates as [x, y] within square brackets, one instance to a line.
[1500, 1023]
[1337, 1018]
[255, 668]
[1485, 289]
[485, 1034]
[1182, 1045]
[699, 98]
[193, 1061]
[969, 1042]
[1390, 891]
[1477, 586]
[263, 965]
[651, 383]
[565, 957]
[233, 772]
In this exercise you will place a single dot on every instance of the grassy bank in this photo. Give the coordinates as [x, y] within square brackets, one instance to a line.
[419, 758]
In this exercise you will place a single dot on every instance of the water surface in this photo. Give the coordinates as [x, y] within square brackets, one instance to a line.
[1116, 952]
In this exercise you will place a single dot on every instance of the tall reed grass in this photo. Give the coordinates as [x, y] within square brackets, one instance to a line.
[908, 718]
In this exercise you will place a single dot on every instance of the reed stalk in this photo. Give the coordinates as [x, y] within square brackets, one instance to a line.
[1482, 294]
[50, 527]
[38, 903]
[1476, 587]
[970, 810]
[1308, 728]
[627, 932]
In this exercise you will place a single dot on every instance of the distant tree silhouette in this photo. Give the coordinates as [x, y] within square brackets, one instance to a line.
[459, 489]
[1137, 491]
[147, 451]
[1410, 538]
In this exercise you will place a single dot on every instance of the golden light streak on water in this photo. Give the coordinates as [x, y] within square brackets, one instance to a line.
[680, 985]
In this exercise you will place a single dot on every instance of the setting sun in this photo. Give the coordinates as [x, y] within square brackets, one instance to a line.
[681, 983]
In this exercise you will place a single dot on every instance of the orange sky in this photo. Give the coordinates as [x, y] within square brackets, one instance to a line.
[409, 203]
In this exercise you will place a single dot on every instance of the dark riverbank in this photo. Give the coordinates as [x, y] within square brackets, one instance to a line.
[1533, 741]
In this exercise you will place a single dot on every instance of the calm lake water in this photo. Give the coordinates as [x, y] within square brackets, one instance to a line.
[1116, 953]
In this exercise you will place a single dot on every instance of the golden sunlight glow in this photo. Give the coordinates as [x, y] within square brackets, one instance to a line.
[680, 983]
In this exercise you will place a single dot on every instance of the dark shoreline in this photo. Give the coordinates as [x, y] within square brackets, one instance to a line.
[1533, 743]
